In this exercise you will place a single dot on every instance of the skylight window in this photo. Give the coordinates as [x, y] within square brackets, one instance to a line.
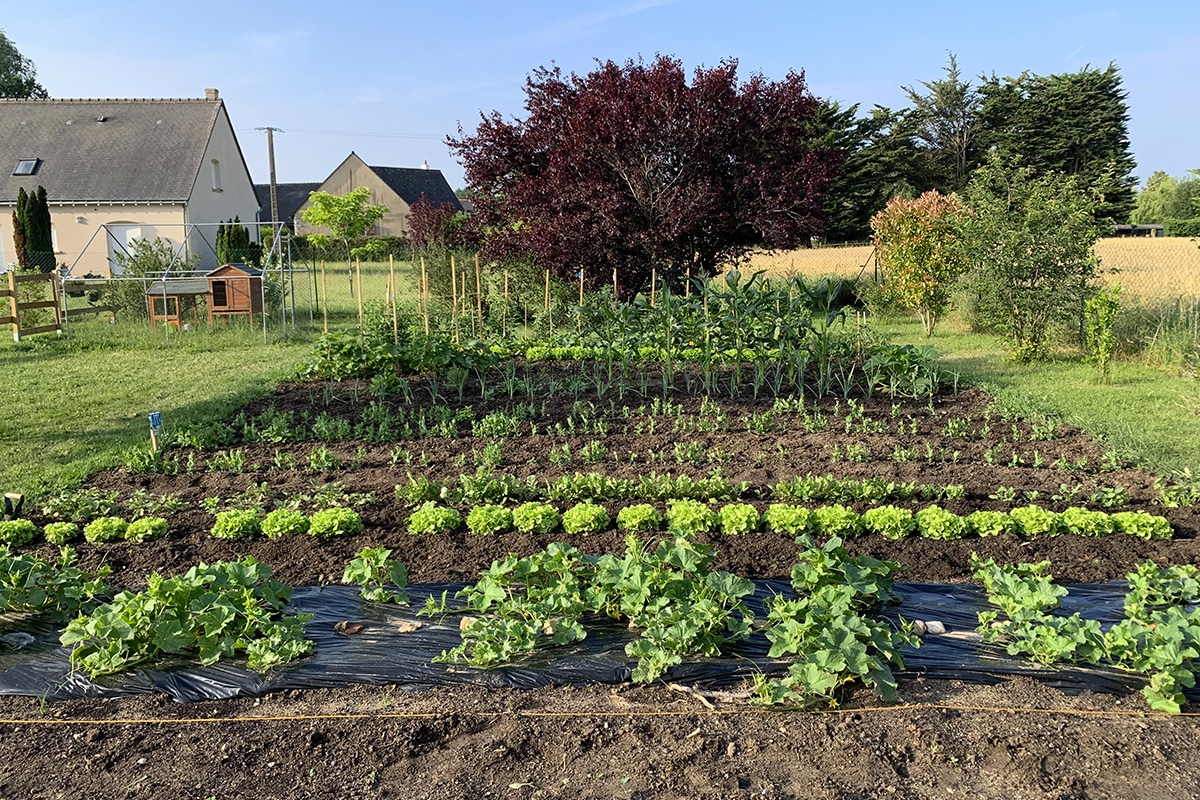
[26, 166]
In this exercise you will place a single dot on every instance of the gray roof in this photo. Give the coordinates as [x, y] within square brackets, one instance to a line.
[289, 197]
[143, 150]
[178, 286]
[410, 183]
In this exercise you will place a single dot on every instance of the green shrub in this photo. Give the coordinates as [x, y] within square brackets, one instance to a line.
[690, 516]
[737, 518]
[936, 522]
[889, 522]
[432, 518]
[1142, 525]
[990, 523]
[585, 517]
[640, 518]
[61, 532]
[335, 522]
[16, 532]
[284, 522]
[535, 517]
[787, 519]
[489, 520]
[145, 529]
[1085, 522]
[836, 520]
[1034, 521]
[105, 529]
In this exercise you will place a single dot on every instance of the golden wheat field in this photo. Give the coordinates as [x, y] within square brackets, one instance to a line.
[1146, 268]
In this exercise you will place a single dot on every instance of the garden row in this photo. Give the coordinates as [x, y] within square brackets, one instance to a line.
[828, 630]
[587, 517]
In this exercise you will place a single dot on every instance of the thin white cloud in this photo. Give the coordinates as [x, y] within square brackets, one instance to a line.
[584, 24]
[276, 42]
[1072, 54]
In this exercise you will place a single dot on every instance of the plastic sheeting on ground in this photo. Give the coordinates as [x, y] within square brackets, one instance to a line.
[382, 654]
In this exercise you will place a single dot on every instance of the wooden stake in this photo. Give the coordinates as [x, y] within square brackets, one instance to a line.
[504, 323]
[687, 287]
[324, 298]
[454, 297]
[425, 293]
[358, 293]
[479, 293]
[653, 282]
[615, 293]
[580, 287]
[547, 291]
[392, 292]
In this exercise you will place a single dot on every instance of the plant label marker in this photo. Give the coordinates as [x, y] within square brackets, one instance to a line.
[155, 428]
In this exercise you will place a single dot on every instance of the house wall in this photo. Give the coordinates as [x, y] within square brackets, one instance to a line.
[351, 174]
[233, 196]
[86, 235]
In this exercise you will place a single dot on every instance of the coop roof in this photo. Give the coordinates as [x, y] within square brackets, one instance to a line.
[178, 286]
[235, 270]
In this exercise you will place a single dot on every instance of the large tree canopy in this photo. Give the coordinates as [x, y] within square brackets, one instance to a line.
[632, 167]
[1074, 123]
[18, 77]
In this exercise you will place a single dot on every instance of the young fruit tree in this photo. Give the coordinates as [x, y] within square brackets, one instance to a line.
[632, 168]
[348, 218]
[920, 250]
[1030, 238]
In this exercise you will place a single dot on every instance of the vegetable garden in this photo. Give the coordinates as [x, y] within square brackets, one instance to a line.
[737, 476]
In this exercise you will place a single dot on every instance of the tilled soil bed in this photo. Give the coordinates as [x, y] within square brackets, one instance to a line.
[1010, 739]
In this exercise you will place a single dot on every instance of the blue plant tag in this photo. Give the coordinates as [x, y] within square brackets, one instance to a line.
[155, 421]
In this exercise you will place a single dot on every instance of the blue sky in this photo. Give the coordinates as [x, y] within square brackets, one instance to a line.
[390, 80]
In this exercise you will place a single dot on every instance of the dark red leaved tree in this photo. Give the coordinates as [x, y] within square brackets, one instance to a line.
[633, 167]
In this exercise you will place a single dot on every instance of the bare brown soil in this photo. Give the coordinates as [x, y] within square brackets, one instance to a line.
[1013, 739]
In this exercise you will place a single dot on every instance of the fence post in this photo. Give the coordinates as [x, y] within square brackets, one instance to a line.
[14, 305]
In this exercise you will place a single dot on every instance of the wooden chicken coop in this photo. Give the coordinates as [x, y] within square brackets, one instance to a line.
[234, 289]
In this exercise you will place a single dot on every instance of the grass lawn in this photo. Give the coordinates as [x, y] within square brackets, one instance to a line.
[72, 405]
[1147, 415]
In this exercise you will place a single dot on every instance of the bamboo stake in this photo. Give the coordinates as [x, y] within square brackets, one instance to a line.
[425, 293]
[324, 298]
[479, 293]
[463, 295]
[454, 298]
[358, 293]
[392, 293]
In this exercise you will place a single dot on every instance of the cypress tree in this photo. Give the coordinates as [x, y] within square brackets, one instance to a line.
[38, 236]
[1074, 124]
[19, 228]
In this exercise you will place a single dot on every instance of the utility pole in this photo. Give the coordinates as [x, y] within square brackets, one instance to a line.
[271, 157]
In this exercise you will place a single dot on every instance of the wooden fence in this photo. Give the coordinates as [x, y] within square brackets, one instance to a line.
[16, 305]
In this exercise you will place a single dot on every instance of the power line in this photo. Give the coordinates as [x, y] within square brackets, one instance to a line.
[373, 134]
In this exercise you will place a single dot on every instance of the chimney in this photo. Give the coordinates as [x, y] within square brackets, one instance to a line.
[424, 165]
[212, 94]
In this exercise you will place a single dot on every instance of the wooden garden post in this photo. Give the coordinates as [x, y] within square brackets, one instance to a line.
[358, 280]
[392, 293]
[425, 294]
[479, 293]
[324, 298]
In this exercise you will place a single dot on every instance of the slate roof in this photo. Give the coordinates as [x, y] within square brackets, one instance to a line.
[289, 196]
[410, 183]
[143, 150]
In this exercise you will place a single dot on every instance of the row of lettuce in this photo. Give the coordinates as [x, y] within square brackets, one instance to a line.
[828, 630]
[681, 516]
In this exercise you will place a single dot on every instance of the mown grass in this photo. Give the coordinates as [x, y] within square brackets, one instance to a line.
[72, 405]
[1146, 415]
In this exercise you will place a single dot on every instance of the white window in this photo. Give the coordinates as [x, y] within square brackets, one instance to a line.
[216, 175]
